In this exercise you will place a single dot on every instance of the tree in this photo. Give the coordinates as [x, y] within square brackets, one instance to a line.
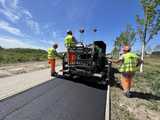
[157, 48]
[116, 49]
[149, 25]
[1, 48]
[148, 50]
[126, 38]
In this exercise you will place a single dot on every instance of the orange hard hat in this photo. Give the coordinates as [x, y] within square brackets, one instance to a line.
[126, 48]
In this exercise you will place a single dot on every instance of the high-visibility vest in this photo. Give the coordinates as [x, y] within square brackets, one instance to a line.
[129, 64]
[69, 42]
[51, 53]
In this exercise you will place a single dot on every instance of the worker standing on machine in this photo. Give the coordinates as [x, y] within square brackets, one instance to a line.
[70, 42]
[52, 54]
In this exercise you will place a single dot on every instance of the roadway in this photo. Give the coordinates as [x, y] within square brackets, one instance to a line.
[56, 99]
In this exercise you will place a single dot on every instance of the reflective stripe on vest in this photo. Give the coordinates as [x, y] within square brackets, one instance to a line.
[69, 41]
[129, 63]
[51, 53]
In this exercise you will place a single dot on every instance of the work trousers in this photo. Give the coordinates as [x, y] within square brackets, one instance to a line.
[127, 81]
[71, 57]
[52, 63]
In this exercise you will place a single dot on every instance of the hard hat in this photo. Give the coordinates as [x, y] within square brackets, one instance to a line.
[55, 45]
[126, 48]
[69, 32]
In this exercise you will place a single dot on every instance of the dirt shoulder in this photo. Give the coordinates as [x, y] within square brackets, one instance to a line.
[7, 70]
[142, 107]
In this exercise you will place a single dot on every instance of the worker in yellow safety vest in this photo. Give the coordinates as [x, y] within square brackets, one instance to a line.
[70, 42]
[129, 65]
[52, 54]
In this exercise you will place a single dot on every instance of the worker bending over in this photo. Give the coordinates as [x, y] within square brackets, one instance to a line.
[129, 65]
[70, 42]
[52, 54]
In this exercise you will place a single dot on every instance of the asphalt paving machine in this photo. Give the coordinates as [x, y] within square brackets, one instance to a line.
[89, 62]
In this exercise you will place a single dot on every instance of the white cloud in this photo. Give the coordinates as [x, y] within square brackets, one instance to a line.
[9, 9]
[7, 27]
[13, 3]
[9, 42]
[11, 16]
[27, 13]
[34, 26]
[15, 13]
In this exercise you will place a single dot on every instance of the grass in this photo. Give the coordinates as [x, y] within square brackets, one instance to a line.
[17, 55]
[150, 81]
[118, 110]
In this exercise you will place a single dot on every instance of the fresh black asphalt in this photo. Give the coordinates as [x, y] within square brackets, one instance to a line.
[57, 99]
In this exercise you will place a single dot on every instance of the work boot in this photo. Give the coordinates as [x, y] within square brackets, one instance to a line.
[127, 94]
[53, 74]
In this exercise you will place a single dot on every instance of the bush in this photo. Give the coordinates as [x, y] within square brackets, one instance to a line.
[22, 55]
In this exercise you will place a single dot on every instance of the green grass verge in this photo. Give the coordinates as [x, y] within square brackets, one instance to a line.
[150, 81]
[16, 55]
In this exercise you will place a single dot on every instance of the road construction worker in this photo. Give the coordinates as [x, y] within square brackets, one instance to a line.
[70, 42]
[129, 63]
[52, 54]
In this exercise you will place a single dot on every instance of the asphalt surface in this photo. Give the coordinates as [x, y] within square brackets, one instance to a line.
[57, 99]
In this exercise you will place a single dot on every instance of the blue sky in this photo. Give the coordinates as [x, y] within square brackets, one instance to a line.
[40, 23]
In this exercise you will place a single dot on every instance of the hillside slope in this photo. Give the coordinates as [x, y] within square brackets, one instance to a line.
[16, 55]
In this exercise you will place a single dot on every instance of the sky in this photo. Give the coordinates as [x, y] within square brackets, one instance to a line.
[40, 23]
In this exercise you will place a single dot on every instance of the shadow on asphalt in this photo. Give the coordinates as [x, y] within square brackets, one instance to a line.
[91, 82]
[146, 96]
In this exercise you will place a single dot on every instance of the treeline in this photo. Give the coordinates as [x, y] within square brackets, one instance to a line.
[15, 55]
[148, 27]
[156, 53]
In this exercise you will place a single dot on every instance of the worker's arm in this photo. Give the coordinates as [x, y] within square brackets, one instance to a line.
[66, 41]
[115, 61]
[139, 62]
[58, 55]
[74, 40]
[121, 58]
